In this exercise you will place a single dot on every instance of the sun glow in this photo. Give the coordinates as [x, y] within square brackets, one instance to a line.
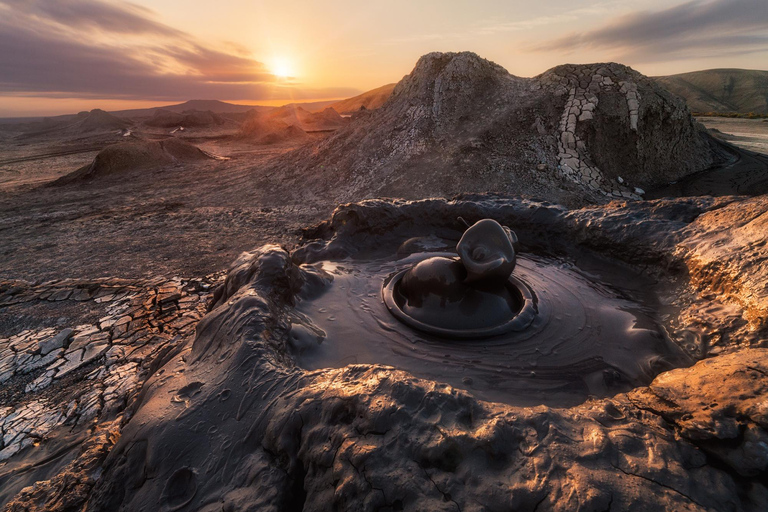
[282, 68]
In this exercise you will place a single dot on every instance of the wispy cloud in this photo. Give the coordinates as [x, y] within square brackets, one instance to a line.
[693, 29]
[98, 48]
[490, 27]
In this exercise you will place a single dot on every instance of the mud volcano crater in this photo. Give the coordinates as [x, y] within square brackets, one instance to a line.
[267, 410]
[469, 310]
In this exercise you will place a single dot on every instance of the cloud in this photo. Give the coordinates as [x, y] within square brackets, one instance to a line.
[99, 49]
[692, 29]
[93, 14]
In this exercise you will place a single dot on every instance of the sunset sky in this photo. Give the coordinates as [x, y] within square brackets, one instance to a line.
[65, 56]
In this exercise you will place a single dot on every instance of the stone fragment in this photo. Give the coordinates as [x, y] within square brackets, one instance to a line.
[58, 341]
[94, 351]
[73, 361]
[60, 295]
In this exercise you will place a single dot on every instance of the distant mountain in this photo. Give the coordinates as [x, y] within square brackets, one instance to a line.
[312, 106]
[370, 100]
[189, 119]
[721, 90]
[216, 106]
[85, 123]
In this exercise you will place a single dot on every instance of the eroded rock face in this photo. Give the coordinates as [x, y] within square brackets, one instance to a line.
[458, 123]
[231, 423]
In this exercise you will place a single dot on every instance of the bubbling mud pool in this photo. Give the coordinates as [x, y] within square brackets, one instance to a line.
[587, 338]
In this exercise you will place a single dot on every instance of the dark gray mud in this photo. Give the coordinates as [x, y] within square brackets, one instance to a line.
[745, 173]
[587, 338]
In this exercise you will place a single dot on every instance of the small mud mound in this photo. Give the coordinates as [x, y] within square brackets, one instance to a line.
[292, 115]
[288, 134]
[328, 119]
[137, 154]
[189, 119]
[263, 129]
[98, 120]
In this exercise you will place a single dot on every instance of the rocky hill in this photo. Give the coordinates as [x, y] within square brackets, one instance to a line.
[459, 123]
[721, 90]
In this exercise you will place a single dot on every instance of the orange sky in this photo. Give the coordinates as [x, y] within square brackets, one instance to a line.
[62, 57]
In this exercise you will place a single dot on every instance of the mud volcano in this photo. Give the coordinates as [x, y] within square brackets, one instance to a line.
[238, 419]
[550, 333]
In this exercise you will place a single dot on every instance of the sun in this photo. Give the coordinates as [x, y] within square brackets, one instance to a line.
[282, 68]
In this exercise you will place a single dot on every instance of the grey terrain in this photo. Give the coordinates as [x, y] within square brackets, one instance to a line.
[157, 283]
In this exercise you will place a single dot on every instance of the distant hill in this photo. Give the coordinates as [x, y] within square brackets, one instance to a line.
[216, 106]
[84, 123]
[96, 121]
[189, 119]
[370, 100]
[721, 90]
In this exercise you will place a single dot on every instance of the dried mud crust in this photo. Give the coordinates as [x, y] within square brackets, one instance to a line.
[231, 423]
[64, 389]
[190, 220]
